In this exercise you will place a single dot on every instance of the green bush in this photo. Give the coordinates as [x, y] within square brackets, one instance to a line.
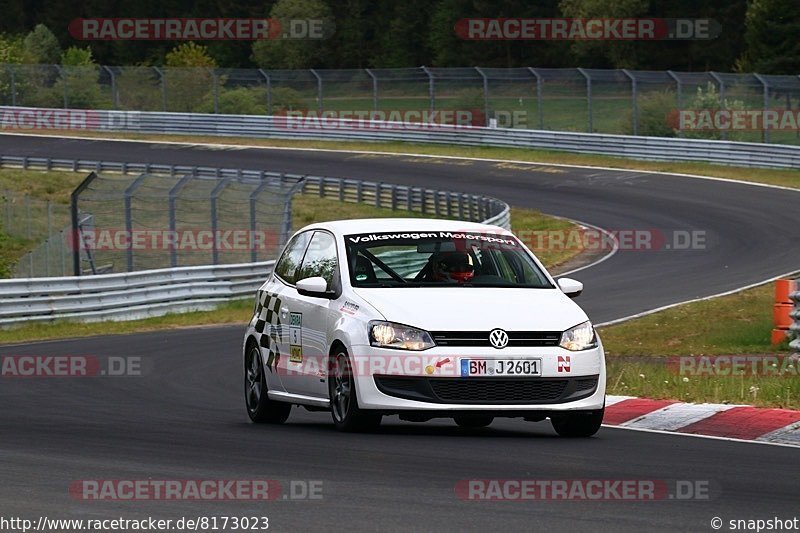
[656, 112]
[238, 101]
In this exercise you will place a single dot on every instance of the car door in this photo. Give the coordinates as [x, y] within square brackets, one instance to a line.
[310, 318]
[276, 300]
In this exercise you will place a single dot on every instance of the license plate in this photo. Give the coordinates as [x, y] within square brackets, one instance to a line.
[501, 367]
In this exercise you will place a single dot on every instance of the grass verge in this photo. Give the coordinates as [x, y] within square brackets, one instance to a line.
[786, 177]
[739, 324]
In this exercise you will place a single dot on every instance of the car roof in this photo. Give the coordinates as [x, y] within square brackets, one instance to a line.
[378, 225]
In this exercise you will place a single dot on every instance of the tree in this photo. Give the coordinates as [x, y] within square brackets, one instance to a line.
[189, 76]
[616, 54]
[82, 76]
[41, 47]
[282, 53]
[771, 30]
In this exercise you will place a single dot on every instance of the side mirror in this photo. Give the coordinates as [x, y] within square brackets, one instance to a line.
[570, 287]
[316, 287]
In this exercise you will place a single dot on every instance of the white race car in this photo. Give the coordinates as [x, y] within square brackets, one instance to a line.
[423, 319]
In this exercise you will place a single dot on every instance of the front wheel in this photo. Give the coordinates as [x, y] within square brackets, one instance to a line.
[344, 403]
[579, 424]
[259, 407]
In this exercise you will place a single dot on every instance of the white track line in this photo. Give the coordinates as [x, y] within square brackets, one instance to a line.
[676, 416]
[712, 437]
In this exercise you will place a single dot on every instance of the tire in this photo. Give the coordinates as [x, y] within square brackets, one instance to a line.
[473, 421]
[260, 408]
[345, 412]
[578, 425]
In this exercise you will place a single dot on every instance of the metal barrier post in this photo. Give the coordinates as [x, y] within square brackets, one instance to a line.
[679, 92]
[214, 222]
[431, 89]
[764, 127]
[114, 92]
[485, 96]
[539, 81]
[173, 220]
[590, 127]
[76, 239]
[253, 221]
[319, 90]
[374, 89]
[128, 197]
[634, 101]
[163, 87]
[721, 83]
[269, 90]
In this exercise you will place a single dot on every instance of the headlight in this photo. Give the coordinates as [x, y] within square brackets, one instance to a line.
[391, 335]
[581, 337]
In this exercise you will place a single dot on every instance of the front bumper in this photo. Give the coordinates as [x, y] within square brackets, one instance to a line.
[429, 381]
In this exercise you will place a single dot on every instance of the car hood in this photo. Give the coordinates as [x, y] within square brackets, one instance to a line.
[475, 308]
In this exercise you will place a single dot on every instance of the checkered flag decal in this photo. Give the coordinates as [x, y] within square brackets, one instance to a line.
[269, 318]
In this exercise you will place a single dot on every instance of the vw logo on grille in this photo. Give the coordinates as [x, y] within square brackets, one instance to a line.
[498, 338]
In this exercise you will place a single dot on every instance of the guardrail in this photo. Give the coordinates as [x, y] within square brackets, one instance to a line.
[295, 127]
[795, 314]
[127, 296]
[133, 295]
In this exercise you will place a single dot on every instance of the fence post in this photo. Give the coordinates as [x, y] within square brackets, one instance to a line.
[431, 89]
[128, 199]
[485, 96]
[28, 233]
[172, 200]
[114, 94]
[63, 75]
[374, 89]
[163, 87]
[215, 86]
[13, 84]
[319, 90]
[253, 217]
[269, 90]
[764, 127]
[214, 222]
[721, 83]
[634, 101]
[679, 92]
[588, 97]
[76, 239]
[286, 229]
[49, 238]
[539, 82]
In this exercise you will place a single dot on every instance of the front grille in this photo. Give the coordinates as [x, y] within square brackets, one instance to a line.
[481, 338]
[488, 390]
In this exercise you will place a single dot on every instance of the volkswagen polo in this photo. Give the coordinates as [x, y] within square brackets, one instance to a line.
[423, 319]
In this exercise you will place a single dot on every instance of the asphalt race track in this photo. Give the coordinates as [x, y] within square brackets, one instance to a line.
[185, 418]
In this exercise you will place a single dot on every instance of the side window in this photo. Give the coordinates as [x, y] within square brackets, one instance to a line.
[288, 265]
[320, 259]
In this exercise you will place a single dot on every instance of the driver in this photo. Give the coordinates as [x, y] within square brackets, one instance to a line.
[452, 266]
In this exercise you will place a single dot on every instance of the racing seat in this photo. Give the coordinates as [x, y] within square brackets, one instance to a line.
[363, 267]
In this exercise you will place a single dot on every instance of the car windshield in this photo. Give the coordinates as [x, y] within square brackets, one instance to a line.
[441, 258]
